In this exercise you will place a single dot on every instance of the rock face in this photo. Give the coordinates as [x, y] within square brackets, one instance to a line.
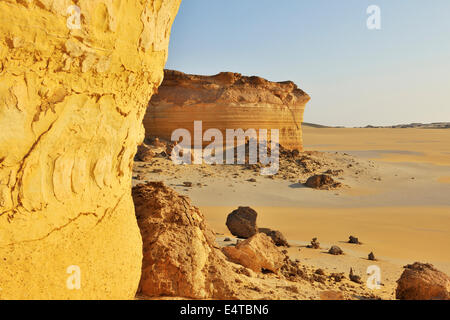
[73, 93]
[258, 253]
[242, 222]
[421, 281]
[226, 101]
[180, 255]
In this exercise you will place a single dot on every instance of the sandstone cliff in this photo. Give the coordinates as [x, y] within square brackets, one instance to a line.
[71, 106]
[226, 101]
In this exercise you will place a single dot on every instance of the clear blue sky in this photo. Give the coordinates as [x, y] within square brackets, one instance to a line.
[355, 76]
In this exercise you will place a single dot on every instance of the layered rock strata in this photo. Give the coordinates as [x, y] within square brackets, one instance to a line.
[75, 80]
[226, 101]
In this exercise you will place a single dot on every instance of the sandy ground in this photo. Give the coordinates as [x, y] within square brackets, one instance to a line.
[395, 199]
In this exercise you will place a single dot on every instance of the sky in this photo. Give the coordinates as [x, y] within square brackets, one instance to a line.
[355, 76]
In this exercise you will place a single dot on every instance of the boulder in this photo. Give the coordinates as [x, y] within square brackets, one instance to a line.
[181, 258]
[354, 277]
[242, 222]
[322, 182]
[73, 95]
[257, 253]
[277, 237]
[371, 257]
[315, 244]
[353, 240]
[226, 101]
[144, 153]
[420, 281]
[335, 250]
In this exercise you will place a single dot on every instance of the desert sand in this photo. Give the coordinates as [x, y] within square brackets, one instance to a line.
[394, 198]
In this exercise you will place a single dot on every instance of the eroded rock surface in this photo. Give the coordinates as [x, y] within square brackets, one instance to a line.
[71, 106]
[226, 101]
[181, 258]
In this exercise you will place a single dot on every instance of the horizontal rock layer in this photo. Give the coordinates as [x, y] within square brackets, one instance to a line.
[226, 101]
[73, 91]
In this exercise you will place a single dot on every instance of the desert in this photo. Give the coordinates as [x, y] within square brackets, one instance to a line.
[126, 176]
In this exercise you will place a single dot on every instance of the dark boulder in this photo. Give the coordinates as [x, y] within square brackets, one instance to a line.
[242, 222]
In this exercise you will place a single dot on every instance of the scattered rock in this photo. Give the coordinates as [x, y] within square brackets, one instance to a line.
[314, 244]
[420, 281]
[144, 153]
[335, 250]
[322, 182]
[242, 222]
[320, 272]
[337, 277]
[187, 184]
[353, 240]
[277, 237]
[227, 240]
[354, 278]
[197, 94]
[257, 253]
[251, 180]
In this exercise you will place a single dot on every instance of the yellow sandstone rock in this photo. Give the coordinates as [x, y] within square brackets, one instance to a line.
[74, 86]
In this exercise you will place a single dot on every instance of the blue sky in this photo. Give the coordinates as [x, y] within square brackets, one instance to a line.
[355, 76]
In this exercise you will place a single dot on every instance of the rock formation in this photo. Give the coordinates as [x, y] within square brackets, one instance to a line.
[420, 281]
[277, 237]
[74, 86]
[180, 255]
[226, 101]
[257, 253]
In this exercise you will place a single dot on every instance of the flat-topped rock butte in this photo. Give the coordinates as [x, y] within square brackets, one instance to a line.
[71, 109]
[226, 101]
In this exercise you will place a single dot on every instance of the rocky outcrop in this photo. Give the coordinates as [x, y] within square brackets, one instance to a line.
[74, 86]
[420, 281]
[242, 222]
[258, 253]
[226, 101]
[181, 258]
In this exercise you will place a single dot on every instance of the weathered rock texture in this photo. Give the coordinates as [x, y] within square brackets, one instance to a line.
[71, 106]
[180, 255]
[422, 281]
[226, 101]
